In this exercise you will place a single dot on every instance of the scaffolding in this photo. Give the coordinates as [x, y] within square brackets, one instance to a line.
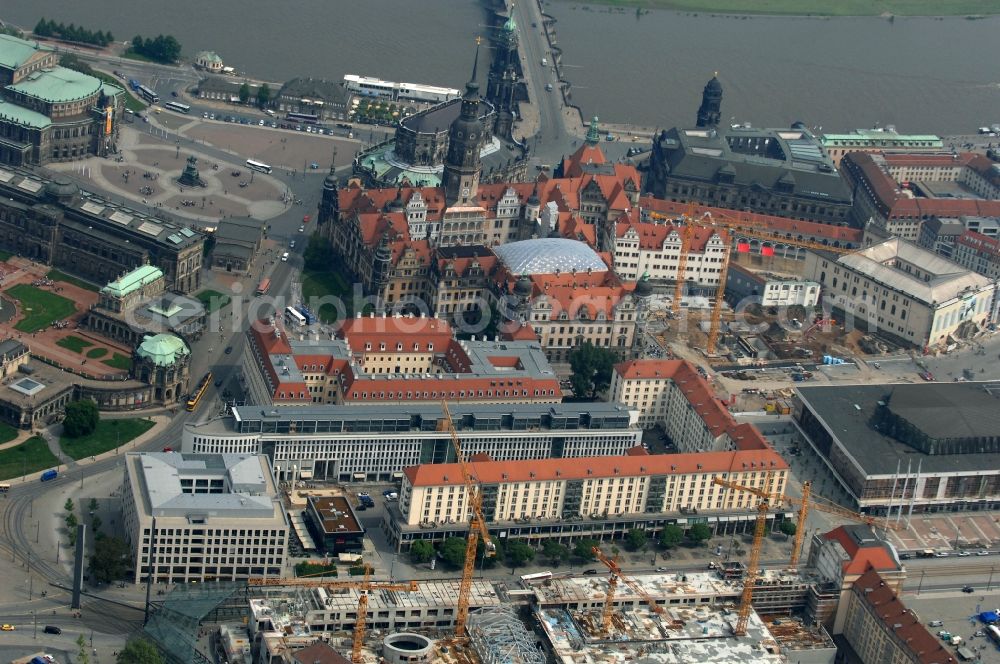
[499, 637]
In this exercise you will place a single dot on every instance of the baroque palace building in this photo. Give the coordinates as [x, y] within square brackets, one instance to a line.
[50, 113]
[536, 252]
[55, 222]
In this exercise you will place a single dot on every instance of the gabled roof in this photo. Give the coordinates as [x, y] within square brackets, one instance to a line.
[863, 548]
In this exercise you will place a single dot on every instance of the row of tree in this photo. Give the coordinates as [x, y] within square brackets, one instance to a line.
[72, 33]
[162, 48]
[263, 94]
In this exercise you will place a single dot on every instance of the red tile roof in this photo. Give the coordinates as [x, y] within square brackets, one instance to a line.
[790, 228]
[494, 472]
[524, 332]
[900, 623]
[700, 395]
[419, 332]
[393, 387]
[652, 236]
[862, 554]
[903, 159]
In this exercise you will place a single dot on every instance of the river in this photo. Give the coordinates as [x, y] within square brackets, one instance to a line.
[924, 75]
[921, 74]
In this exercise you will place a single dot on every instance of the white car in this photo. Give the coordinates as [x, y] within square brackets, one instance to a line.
[963, 554]
[982, 553]
[260, 123]
[302, 229]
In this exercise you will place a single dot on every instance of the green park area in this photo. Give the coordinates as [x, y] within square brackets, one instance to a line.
[39, 308]
[30, 456]
[317, 284]
[820, 7]
[213, 300]
[74, 343]
[108, 435]
[118, 361]
[59, 275]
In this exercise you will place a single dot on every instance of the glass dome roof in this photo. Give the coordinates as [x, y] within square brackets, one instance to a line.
[548, 256]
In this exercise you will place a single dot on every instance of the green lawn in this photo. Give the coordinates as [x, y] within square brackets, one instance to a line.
[95, 353]
[39, 308]
[59, 275]
[212, 300]
[5, 256]
[820, 7]
[119, 361]
[131, 103]
[74, 343]
[30, 456]
[316, 284]
[108, 435]
[7, 433]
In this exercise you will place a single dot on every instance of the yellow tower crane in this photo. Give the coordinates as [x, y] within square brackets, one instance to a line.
[364, 587]
[753, 565]
[477, 524]
[616, 576]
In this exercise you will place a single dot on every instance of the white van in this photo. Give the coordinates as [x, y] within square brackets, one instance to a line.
[284, 257]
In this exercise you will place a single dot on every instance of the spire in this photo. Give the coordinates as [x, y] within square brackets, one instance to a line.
[333, 162]
[594, 133]
[472, 87]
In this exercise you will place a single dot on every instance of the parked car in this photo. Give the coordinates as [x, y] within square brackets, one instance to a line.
[982, 553]
[968, 589]
[927, 375]
[963, 554]
[229, 349]
[52, 629]
[590, 571]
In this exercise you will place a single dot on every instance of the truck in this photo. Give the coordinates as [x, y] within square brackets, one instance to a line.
[134, 84]
[50, 474]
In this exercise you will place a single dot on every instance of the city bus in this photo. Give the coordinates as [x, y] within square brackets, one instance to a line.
[149, 95]
[264, 286]
[258, 166]
[306, 118]
[176, 106]
[538, 577]
[308, 315]
[993, 633]
[199, 392]
[293, 316]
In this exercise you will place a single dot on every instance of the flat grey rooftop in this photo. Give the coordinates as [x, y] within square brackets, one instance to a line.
[848, 410]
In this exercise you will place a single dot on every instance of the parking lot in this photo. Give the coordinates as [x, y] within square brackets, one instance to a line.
[957, 613]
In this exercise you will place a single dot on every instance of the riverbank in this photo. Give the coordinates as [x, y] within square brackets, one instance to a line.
[970, 8]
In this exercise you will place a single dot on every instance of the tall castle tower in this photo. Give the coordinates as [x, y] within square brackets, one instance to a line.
[329, 205]
[461, 165]
[504, 77]
[711, 103]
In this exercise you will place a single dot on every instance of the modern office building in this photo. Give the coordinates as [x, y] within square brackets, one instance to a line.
[915, 448]
[375, 443]
[905, 293]
[197, 518]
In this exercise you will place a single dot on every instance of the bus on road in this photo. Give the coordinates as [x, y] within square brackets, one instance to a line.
[178, 107]
[306, 118]
[263, 287]
[258, 166]
[308, 315]
[199, 392]
[149, 95]
[538, 577]
[294, 317]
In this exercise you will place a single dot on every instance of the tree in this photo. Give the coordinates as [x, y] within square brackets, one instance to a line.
[519, 553]
[109, 560]
[556, 553]
[244, 93]
[699, 533]
[421, 551]
[263, 95]
[95, 524]
[635, 539]
[592, 367]
[139, 651]
[69, 506]
[81, 654]
[583, 549]
[671, 536]
[318, 254]
[71, 521]
[787, 527]
[453, 551]
[43, 28]
[92, 506]
[81, 418]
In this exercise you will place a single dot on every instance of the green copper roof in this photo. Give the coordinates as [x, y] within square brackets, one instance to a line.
[133, 281]
[23, 116]
[510, 25]
[594, 132]
[57, 85]
[163, 349]
[14, 52]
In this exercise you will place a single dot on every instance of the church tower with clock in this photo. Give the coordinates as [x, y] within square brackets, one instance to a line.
[461, 165]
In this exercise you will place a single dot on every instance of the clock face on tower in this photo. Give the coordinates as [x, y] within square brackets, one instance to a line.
[465, 191]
